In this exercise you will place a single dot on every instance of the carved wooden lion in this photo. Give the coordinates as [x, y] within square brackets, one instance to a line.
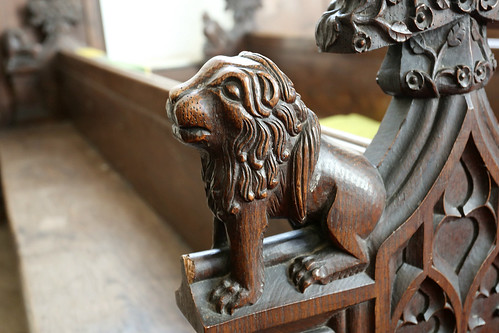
[263, 156]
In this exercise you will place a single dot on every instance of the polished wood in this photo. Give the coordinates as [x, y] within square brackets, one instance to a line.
[93, 256]
[432, 256]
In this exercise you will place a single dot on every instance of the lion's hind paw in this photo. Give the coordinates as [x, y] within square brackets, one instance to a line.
[305, 271]
[322, 268]
[228, 296]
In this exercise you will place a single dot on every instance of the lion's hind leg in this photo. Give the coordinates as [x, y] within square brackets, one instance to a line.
[323, 267]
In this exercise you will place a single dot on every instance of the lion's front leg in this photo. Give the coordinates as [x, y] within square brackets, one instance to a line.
[219, 234]
[244, 285]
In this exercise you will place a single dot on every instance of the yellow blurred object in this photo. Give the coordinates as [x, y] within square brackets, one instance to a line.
[90, 52]
[352, 123]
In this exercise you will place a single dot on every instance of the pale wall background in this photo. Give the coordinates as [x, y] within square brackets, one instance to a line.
[169, 33]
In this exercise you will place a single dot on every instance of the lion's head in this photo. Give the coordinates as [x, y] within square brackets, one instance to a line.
[244, 114]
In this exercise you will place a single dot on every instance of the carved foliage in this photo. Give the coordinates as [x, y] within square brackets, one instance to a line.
[384, 22]
[462, 75]
[440, 62]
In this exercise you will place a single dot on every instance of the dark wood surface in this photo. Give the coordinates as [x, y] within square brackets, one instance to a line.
[94, 257]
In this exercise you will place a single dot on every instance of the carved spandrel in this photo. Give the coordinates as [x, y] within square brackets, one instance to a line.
[465, 234]
[484, 315]
[263, 157]
[427, 311]
[462, 233]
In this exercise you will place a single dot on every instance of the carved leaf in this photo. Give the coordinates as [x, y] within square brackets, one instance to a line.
[397, 31]
[327, 31]
[456, 35]
[419, 46]
[443, 4]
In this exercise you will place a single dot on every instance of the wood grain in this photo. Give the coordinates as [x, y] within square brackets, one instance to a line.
[94, 257]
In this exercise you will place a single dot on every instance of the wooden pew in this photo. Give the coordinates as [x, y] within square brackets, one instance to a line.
[93, 255]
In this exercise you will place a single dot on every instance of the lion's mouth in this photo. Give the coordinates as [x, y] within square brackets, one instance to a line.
[191, 135]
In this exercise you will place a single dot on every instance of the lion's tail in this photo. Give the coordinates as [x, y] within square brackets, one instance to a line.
[304, 158]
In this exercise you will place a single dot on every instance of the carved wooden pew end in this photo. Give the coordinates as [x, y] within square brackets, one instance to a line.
[418, 211]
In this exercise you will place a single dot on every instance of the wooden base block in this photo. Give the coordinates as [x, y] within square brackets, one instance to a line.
[281, 306]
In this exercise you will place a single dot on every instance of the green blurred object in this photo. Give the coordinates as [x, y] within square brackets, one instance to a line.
[352, 123]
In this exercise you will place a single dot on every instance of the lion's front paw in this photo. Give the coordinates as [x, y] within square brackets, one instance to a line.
[307, 270]
[229, 295]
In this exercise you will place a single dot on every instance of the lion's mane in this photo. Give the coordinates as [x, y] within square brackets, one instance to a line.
[280, 129]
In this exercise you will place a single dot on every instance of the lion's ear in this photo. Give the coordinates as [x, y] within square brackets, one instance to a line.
[304, 158]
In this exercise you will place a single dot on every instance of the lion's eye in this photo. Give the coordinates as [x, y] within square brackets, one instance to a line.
[232, 90]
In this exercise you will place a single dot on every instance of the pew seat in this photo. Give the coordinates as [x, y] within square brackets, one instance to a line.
[93, 256]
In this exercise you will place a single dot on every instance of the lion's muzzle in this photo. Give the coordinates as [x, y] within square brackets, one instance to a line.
[188, 113]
